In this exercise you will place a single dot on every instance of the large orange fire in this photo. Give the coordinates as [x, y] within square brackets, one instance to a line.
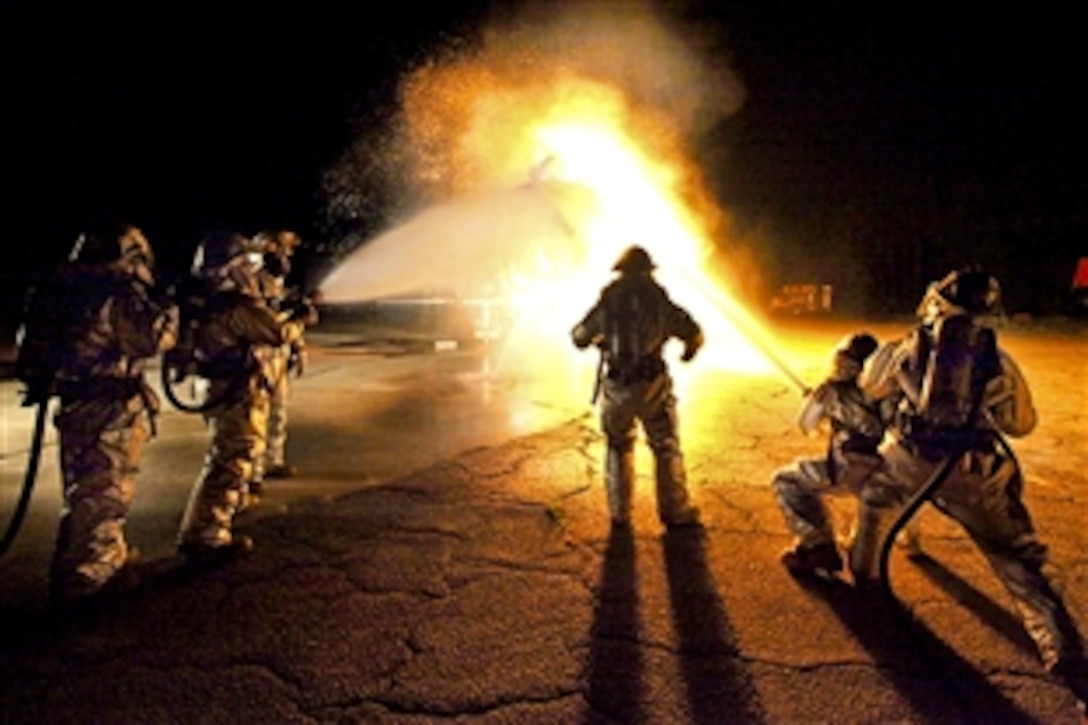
[576, 169]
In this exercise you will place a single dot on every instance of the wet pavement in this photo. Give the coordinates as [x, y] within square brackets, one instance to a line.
[482, 583]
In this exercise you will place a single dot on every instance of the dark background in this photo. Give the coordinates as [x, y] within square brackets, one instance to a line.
[880, 144]
[891, 142]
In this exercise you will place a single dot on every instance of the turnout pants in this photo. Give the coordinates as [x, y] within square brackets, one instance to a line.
[100, 446]
[276, 438]
[983, 494]
[801, 488]
[238, 432]
[652, 403]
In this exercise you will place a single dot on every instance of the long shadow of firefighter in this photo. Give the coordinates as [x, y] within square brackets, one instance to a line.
[717, 680]
[616, 668]
[939, 684]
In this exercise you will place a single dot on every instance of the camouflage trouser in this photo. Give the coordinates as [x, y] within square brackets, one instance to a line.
[276, 438]
[100, 446]
[654, 405]
[238, 429]
[983, 494]
[800, 490]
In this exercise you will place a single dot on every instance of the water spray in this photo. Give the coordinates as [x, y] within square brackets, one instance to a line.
[742, 327]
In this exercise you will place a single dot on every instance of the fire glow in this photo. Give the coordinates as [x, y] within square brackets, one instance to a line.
[545, 176]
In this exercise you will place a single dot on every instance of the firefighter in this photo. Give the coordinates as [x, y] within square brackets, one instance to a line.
[236, 324]
[278, 246]
[106, 412]
[957, 395]
[631, 322]
[856, 428]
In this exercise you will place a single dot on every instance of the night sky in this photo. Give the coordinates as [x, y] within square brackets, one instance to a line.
[882, 144]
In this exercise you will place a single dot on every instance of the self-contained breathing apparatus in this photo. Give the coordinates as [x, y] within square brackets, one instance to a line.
[192, 295]
[957, 357]
[198, 295]
[52, 310]
[185, 363]
[58, 310]
[224, 270]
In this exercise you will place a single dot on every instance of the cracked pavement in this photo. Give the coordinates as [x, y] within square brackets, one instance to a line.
[486, 587]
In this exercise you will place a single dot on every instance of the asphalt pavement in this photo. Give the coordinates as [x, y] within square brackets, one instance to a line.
[488, 587]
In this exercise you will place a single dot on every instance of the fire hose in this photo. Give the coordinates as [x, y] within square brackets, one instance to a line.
[770, 355]
[169, 379]
[920, 497]
[29, 478]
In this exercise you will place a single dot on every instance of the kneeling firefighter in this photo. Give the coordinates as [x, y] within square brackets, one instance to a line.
[236, 324]
[631, 322]
[856, 427]
[106, 322]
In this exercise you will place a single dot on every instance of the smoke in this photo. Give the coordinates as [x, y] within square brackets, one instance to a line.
[462, 246]
[453, 106]
[530, 157]
[543, 58]
[661, 66]
[462, 169]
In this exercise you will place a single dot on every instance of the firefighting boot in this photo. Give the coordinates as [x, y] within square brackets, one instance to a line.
[619, 482]
[865, 548]
[909, 541]
[203, 556]
[820, 560]
[674, 506]
[1072, 671]
[281, 470]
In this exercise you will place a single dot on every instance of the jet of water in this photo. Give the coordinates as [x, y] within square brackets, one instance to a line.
[463, 246]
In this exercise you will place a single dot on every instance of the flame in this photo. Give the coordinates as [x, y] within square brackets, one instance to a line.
[607, 169]
[584, 142]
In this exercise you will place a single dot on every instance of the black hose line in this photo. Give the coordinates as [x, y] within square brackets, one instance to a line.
[168, 390]
[29, 478]
[924, 494]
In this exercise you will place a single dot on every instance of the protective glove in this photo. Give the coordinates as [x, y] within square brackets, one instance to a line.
[296, 360]
[691, 347]
[582, 339]
[38, 390]
[305, 312]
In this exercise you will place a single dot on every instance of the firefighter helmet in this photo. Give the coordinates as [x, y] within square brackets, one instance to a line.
[969, 289]
[858, 347]
[634, 259]
[221, 250]
[119, 246]
[106, 244]
[272, 240]
[850, 355]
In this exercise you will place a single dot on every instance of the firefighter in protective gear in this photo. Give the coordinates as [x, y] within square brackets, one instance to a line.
[278, 246]
[237, 324]
[983, 491]
[107, 409]
[856, 428]
[631, 322]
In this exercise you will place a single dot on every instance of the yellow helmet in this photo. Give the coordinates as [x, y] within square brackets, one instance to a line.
[634, 259]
